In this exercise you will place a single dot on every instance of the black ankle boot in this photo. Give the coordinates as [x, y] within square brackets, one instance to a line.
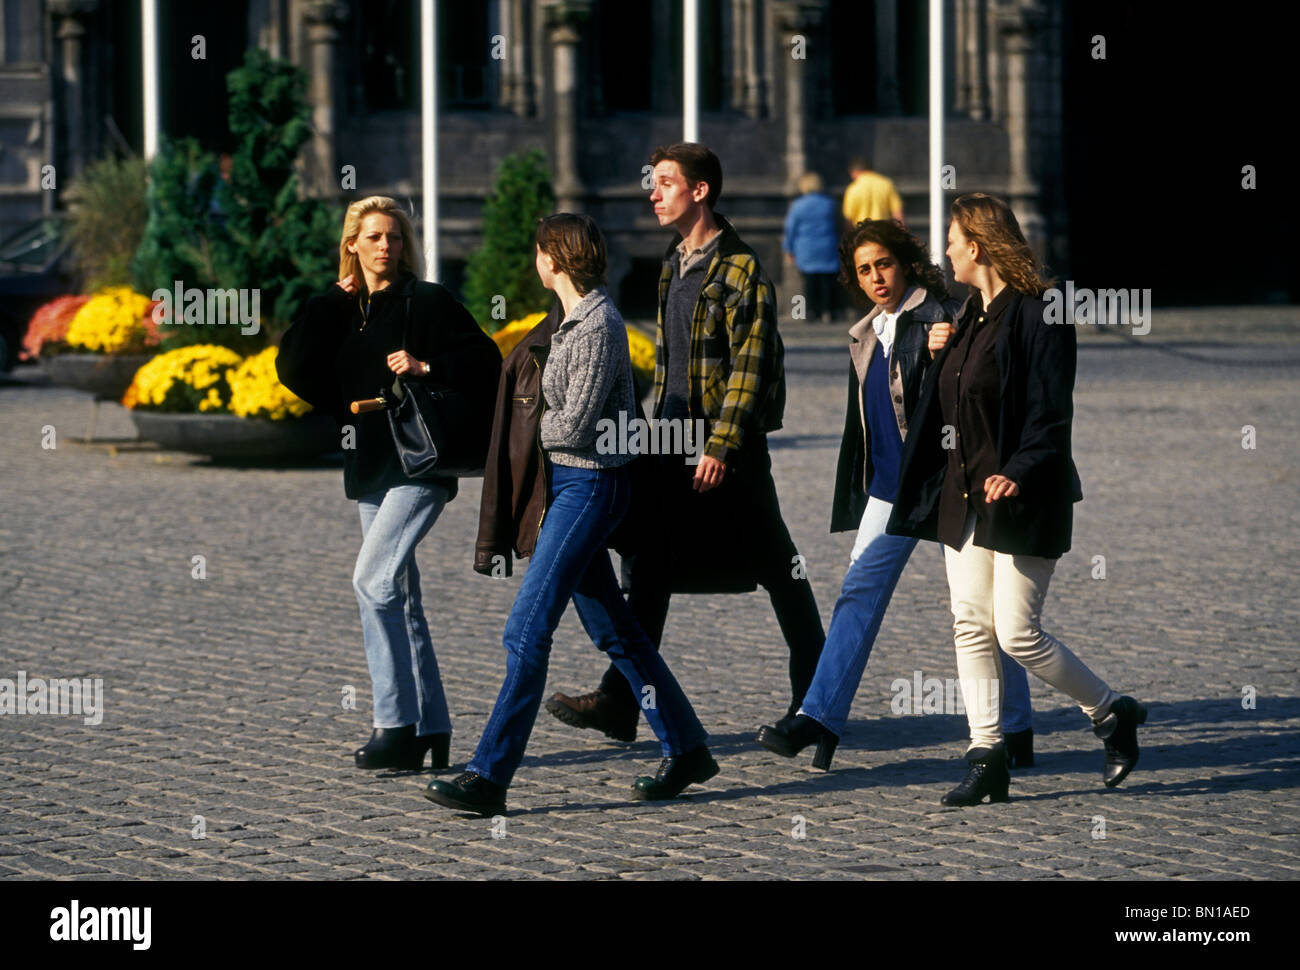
[394, 748]
[1020, 748]
[1119, 730]
[788, 737]
[439, 745]
[987, 775]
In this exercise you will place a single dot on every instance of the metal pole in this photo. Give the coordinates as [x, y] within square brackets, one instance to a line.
[149, 44]
[690, 70]
[938, 235]
[429, 135]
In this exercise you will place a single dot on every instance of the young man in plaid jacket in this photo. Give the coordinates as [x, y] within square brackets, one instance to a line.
[715, 525]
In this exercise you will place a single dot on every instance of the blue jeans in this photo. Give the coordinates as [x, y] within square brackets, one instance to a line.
[399, 651]
[571, 562]
[878, 561]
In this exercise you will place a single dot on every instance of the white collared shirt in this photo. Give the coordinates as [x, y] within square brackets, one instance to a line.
[884, 323]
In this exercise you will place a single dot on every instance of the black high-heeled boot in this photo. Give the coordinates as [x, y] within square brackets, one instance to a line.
[439, 745]
[393, 748]
[1119, 730]
[987, 775]
[1020, 748]
[796, 734]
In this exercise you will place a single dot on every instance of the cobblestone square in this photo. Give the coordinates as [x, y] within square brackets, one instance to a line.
[225, 749]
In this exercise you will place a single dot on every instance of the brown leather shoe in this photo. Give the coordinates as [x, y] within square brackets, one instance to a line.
[596, 710]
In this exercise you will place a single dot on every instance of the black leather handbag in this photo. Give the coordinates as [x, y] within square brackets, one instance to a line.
[438, 431]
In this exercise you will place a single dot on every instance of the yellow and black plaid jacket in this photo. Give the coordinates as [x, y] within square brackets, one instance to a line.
[737, 370]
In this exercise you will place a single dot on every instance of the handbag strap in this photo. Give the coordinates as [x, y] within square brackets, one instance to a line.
[406, 326]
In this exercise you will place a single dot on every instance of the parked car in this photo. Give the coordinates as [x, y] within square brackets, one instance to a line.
[34, 269]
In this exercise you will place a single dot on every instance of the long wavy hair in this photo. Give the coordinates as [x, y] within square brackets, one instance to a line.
[991, 223]
[910, 252]
[350, 263]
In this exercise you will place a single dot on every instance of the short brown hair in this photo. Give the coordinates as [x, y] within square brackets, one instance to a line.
[698, 164]
[575, 243]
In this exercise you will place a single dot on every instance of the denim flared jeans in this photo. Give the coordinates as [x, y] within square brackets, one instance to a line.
[571, 562]
[399, 650]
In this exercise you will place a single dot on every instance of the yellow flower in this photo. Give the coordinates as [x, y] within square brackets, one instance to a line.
[256, 391]
[642, 349]
[508, 336]
[114, 321]
[185, 379]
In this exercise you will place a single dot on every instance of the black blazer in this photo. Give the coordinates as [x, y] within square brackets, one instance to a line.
[1036, 365]
[854, 471]
[321, 359]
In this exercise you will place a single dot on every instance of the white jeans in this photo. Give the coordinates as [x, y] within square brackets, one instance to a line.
[996, 601]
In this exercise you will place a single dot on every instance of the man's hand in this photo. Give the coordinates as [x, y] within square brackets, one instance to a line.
[996, 486]
[400, 362]
[708, 474]
[349, 284]
[939, 334]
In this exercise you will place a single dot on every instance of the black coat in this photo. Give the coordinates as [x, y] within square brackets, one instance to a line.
[328, 360]
[909, 359]
[1036, 367]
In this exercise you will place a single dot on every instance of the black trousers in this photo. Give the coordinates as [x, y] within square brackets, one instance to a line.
[734, 528]
[820, 290]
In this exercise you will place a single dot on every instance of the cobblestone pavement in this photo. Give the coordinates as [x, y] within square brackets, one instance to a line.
[222, 712]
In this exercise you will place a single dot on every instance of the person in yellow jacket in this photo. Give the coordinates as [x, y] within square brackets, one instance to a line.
[870, 195]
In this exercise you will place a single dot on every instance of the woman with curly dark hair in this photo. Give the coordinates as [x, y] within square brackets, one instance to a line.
[987, 471]
[888, 362]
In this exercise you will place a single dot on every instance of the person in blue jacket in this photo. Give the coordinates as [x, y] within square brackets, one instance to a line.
[810, 241]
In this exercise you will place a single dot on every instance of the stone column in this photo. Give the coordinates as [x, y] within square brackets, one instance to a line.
[801, 17]
[70, 17]
[266, 23]
[888, 101]
[323, 19]
[797, 18]
[564, 20]
[734, 63]
[975, 43]
[517, 82]
[1018, 29]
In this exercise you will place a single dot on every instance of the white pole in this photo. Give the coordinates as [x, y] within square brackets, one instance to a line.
[690, 70]
[938, 235]
[149, 43]
[429, 136]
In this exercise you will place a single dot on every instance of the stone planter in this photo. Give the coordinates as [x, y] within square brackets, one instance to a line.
[228, 436]
[103, 375]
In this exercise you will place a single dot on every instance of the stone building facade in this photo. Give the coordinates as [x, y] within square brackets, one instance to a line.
[786, 86]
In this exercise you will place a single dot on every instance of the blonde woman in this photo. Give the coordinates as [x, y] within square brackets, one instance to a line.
[379, 320]
[987, 471]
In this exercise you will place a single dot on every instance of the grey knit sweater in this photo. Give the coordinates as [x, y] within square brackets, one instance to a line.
[587, 378]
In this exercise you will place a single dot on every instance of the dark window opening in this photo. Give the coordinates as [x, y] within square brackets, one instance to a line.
[386, 39]
[913, 58]
[623, 36]
[464, 56]
[851, 29]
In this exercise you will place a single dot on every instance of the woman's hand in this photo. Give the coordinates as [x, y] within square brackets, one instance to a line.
[400, 362]
[996, 486]
[939, 334]
[349, 285]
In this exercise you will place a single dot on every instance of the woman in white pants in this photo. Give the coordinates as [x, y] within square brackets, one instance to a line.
[987, 471]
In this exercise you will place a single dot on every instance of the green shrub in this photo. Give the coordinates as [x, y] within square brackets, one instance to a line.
[505, 265]
[106, 221]
[252, 230]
